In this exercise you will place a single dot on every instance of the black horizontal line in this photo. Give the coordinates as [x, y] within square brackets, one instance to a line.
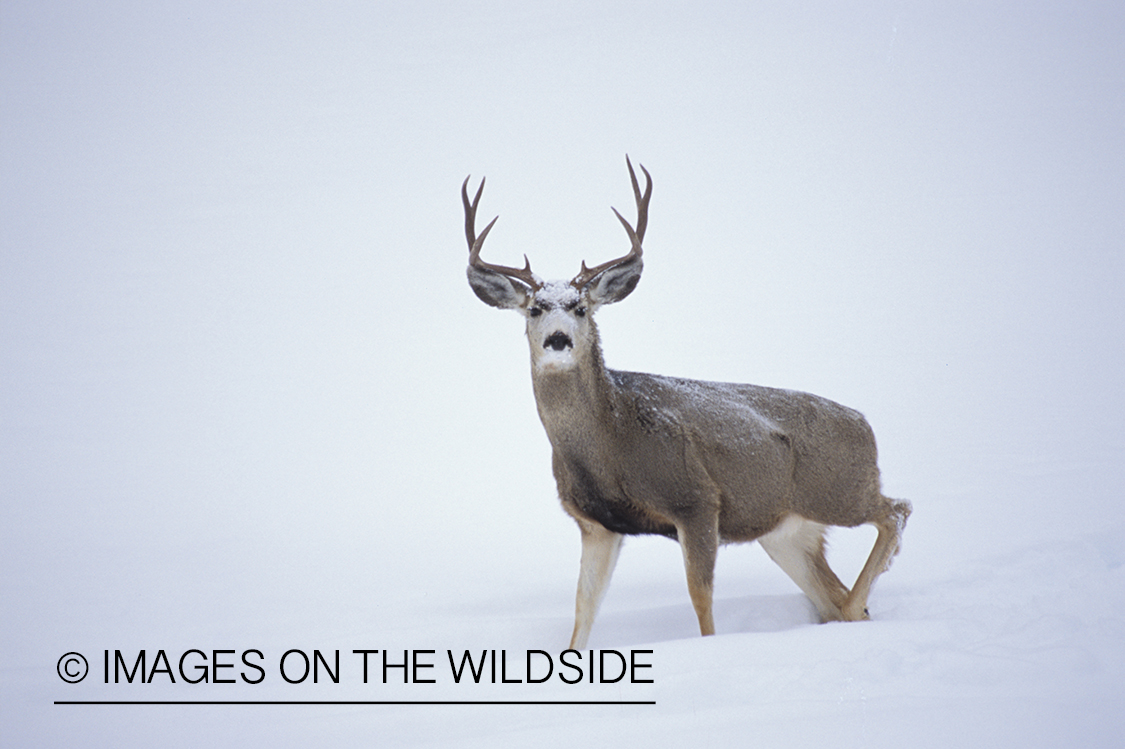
[355, 702]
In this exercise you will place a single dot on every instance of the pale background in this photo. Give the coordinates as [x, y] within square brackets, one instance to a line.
[247, 399]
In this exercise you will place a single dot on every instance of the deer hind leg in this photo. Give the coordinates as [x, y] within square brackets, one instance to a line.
[699, 542]
[600, 548]
[887, 545]
[797, 546]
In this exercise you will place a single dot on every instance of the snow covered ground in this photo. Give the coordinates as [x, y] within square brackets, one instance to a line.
[249, 404]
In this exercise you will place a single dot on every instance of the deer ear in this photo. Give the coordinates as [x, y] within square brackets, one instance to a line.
[496, 289]
[616, 283]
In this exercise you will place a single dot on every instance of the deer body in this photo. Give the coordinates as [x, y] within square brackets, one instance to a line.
[700, 462]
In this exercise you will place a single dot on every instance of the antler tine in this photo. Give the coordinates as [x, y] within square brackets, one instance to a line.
[642, 202]
[635, 236]
[523, 275]
[471, 210]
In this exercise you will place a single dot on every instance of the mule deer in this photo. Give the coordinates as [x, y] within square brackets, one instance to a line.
[703, 463]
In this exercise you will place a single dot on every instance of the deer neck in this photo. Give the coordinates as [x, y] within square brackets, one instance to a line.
[575, 404]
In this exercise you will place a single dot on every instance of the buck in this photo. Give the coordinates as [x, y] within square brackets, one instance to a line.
[702, 463]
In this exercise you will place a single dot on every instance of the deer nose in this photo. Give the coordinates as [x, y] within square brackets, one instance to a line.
[558, 341]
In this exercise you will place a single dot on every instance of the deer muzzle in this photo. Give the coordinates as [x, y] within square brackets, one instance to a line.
[558, 341]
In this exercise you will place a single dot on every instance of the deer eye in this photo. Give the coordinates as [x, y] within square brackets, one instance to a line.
[535, 311]
[581, 311]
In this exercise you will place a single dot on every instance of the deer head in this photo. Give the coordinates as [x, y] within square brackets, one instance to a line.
[559, 314]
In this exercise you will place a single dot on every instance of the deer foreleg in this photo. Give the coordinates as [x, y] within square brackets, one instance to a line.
[699, 542]
[600, 548]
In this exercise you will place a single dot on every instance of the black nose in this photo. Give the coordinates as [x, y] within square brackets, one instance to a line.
[558, 341]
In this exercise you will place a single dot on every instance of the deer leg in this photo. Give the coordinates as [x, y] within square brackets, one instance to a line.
[797, 546]
[600, 548]
[886, 546]
[699, 542]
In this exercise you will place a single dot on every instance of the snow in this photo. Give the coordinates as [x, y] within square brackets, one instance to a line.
[249, 403]
[557, 295]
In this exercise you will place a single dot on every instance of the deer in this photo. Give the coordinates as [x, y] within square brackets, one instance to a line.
[702, 463]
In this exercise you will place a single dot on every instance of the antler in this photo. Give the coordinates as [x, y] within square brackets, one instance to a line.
[636, 237]
[523, 275]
